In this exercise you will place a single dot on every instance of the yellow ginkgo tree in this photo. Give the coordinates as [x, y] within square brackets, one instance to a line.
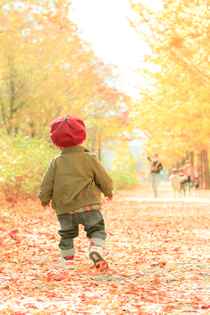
[175, 107]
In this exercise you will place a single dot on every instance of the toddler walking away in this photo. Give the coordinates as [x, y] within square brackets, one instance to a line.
[183, 180]
[197, 187]
[175, 182]
[74, 181]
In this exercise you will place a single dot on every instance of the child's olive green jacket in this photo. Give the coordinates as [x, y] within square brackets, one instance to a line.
[74, 179]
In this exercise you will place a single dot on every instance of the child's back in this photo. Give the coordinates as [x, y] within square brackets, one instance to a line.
[78, 179]
[175, 180]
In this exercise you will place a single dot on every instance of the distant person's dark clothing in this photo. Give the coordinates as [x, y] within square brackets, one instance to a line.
[156, 167]
[189, 172]
[197, 187]
[183, 180]
[188, 179]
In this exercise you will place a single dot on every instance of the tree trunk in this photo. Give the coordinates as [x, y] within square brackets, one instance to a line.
[192, 158]
[16, 130]
[206, 169]
[3, 113]
[200, 169]
[9, 130]
[94, 142]
[183, 161]
[187, 155]
[100, 146]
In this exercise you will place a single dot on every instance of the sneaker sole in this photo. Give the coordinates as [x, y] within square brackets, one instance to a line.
[97, 258]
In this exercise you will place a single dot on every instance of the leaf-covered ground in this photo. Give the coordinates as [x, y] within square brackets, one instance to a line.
[158, 250]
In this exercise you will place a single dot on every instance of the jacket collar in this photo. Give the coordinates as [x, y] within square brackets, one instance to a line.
[77, 148]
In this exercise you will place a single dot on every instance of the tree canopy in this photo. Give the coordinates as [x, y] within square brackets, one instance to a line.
[174, 109]
[47, 70]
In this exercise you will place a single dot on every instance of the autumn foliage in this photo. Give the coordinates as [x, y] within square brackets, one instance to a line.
[24, 161]
[47, 70]
[175, 106]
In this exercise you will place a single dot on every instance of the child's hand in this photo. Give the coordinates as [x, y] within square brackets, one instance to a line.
[47, 206]
[108, 198]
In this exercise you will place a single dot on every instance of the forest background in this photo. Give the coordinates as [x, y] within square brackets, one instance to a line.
[47, 70]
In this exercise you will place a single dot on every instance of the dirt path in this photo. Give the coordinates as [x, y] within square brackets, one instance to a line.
[158, 250]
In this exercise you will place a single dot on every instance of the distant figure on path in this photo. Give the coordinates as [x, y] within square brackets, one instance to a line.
[189, 172]
[183, 180]
[154, 172]
[175, 182]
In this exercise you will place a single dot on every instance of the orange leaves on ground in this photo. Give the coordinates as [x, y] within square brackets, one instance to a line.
[158, 255]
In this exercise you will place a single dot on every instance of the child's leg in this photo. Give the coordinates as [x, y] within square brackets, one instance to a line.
[69, 230]
[95, 229]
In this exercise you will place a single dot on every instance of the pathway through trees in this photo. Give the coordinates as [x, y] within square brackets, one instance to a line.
[158, 250]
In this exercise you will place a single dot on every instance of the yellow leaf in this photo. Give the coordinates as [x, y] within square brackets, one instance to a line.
[115, 304]
[94, 302]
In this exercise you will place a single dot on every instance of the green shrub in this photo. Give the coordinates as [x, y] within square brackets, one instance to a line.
[23, 164]
[124, 173]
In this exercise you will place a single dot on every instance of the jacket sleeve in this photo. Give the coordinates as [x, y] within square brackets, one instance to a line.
[46, 188]
[102, 178]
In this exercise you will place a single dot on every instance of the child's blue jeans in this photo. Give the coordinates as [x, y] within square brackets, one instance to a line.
[94, 227]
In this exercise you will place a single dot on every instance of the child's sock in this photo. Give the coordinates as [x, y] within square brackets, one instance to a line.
[69, 257]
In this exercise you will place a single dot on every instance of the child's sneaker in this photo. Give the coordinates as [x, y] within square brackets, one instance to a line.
[96, 255]
[67, 262]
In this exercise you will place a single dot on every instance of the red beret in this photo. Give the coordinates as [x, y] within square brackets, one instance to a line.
[67, 131]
